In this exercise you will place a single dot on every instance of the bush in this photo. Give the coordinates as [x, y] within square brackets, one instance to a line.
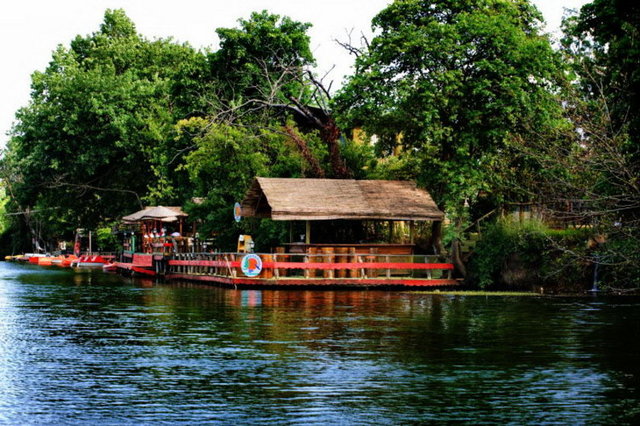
[106, 240]
[507, 242]
[528, 254]
[620, 263]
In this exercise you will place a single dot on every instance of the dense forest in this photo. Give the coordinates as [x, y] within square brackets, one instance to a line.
[469, 98]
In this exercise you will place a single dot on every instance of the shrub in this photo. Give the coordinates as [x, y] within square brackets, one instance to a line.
[503, 242]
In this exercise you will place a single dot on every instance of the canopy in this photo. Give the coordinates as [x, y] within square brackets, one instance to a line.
[326, 199]
[162, 213]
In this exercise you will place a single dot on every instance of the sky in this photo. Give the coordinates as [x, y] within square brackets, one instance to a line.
[31, 29]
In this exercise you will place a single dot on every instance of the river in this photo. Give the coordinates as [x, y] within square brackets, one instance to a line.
[91, 347]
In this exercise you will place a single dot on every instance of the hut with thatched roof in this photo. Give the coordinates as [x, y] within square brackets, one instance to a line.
[311, 200]
[327, 199]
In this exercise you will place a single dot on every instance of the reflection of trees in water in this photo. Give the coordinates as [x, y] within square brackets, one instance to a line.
[491, 332]
[375, 346]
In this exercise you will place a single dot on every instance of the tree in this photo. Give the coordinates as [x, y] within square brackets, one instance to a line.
[603, 45]
[226, 160]
[263, 69]
[598, 167]
[263, 59]
[89, 145]
[454, 83]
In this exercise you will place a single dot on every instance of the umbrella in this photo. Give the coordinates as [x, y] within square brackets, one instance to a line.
[164, 214]
[137, 216]
[161, 212]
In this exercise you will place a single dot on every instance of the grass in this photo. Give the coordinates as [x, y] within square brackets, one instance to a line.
[475, 293]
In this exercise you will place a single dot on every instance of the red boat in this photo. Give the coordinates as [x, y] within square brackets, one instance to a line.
[110, 267]
[89, 262]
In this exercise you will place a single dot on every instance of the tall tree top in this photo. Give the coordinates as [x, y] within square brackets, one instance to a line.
[117, 24]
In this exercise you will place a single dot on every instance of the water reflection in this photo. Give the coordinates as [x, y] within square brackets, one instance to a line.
[92, 347]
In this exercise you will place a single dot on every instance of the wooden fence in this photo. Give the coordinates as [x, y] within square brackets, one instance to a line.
[324, 268]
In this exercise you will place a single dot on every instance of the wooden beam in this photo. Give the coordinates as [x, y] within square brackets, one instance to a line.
[412, 226]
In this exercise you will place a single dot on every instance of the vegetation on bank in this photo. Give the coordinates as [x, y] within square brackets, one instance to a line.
[530, 255]
[470, 99]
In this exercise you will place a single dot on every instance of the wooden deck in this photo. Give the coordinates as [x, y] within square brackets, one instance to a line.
[295, 269]
[139, 263]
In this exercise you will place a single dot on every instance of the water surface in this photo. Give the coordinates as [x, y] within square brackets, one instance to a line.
[93, 348]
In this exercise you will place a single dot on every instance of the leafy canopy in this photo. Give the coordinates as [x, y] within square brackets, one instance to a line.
[100, 114]
[452, 82]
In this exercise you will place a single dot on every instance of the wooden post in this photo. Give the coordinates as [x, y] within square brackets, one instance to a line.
[353, 258]
[276, 271]
[328, 257]
[388, 270]
[411, 231]
[520, 214]
[342, 257]
[282, 258]
[234, 271]
[310, 258]
[372, 273]
[266, 272]
[307, 233]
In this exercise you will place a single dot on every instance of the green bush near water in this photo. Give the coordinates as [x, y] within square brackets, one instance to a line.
[620, 264]
[526, 255]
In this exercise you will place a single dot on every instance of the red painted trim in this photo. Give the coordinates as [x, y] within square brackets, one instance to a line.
[314, 265]
[143, 259]
[122, 265]
[365, 282]
[143, 271]
[360, 265]
[210, 263]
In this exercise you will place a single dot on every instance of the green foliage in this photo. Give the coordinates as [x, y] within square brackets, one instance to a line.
[222, 167]
[620, 268]
[603, 44]
[262, 60]
[3, 210]
[106, 240]
[529, 254]
[359, 158]
[97, 133]
[453, 82]
[502, 241]
[99, 116]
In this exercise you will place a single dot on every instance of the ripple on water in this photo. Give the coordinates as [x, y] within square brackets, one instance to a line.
[96, 349]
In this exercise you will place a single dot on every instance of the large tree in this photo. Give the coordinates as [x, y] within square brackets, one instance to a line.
[454, 84]
[603, 43]
[600, 168]
[264, 70]
[86, 147]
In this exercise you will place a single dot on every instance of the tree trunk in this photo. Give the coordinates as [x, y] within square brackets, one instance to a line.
[436, 237]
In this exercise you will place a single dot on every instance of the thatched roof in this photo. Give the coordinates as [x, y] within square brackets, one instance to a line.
[162, 213]
[325, 199]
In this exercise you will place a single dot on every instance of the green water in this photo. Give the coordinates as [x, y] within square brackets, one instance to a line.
[97, 348]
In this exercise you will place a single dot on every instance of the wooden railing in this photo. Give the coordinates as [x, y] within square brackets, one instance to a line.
[325, 266]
